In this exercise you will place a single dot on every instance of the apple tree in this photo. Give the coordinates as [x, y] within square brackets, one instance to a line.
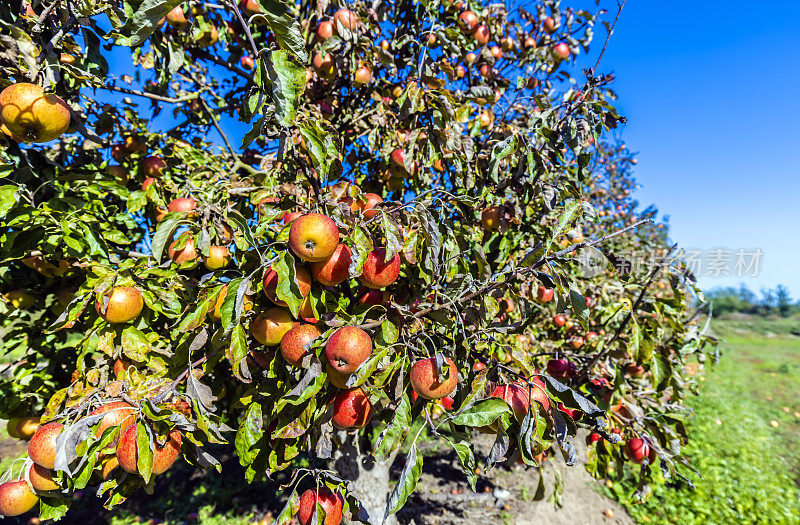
[309, 231]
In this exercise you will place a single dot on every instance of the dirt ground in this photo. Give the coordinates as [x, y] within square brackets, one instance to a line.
[444, 498]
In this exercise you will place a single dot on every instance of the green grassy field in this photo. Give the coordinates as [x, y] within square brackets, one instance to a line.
[745, 434]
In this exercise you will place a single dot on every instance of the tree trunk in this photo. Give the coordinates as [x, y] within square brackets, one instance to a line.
[370, 479]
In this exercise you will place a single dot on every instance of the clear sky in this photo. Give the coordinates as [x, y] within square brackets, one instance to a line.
[711, 93]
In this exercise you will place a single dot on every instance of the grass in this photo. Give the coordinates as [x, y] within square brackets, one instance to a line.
[745, 434]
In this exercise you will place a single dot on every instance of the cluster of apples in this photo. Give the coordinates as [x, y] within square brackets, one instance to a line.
[21, 495]
[28, 114]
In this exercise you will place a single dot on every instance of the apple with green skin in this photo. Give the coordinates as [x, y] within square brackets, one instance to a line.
[163, 456]
[16, 498]
[218, 257]
[351, 409]
[125, 303]
[184, 204]
[41, 478]
[28, 113]
[42, 446]
[425, 380]
[313, 237]
[330, 502]
[271, 325]
[347, 348]
[545, 295]
[302, 278]
[335, 269]
[296, 340]
[377, 273]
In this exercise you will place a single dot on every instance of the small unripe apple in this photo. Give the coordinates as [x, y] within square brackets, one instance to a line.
[377, 273]
[20, 299]
[351, 409]
[347, 348]
[425, 380]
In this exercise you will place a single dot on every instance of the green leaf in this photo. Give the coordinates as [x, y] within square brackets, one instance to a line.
[53, 508]
[145, 21]
[286, 27]
[251, 430]
[570, 209]
[396, 431]
[407, 482]
[236, 353]
[144, 450]
[482, 413]
[163, 235]
[8, 198]
[288, 78]
[288, 290]
[135, 345]
[466, 456]
[578, 302]
[322, 146]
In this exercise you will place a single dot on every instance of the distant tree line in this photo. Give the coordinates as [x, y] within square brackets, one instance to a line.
[772, 301]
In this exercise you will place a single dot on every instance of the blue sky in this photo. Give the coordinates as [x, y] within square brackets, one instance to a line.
[710, 90]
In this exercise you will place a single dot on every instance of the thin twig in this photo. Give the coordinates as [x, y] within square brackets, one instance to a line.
[153, 96]
[608, 37]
